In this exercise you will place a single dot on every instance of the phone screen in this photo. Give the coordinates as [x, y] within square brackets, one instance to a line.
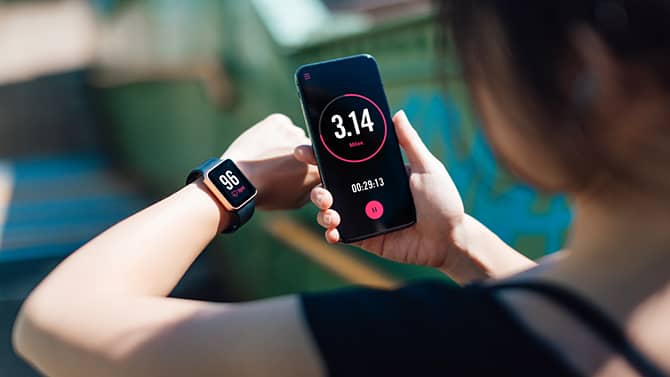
[354, 140]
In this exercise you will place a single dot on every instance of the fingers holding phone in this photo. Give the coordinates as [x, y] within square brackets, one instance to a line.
[438, 205]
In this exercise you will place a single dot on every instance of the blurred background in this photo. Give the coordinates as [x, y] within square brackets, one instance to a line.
[105, 105]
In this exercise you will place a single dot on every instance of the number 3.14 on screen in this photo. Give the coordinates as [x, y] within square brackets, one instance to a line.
[365, 122]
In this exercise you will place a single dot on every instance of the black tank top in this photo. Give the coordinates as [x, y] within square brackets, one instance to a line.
[432, 328]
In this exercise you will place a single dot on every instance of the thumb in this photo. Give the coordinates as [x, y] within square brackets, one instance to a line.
[420, 158]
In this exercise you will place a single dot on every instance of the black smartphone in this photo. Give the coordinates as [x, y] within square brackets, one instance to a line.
[356, 147]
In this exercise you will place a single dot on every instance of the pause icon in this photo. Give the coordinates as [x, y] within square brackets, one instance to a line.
[374, 210]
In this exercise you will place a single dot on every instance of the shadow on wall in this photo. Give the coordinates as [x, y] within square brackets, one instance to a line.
[532, 222]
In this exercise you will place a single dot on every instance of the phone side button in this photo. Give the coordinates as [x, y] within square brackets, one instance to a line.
[374, 210]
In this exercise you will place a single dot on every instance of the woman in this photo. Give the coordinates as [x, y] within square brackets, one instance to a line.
[574, 97]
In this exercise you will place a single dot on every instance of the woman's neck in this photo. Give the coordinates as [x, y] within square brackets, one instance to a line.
[619, 251]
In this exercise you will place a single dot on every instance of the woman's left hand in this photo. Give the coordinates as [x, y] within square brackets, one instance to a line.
[265, 154]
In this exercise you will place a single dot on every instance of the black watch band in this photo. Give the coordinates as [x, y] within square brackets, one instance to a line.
[238, 217]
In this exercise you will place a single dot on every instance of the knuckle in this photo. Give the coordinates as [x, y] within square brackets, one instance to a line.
[318, 198]
[279, 119]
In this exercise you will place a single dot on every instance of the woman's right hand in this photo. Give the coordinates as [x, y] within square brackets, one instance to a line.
[437, 238]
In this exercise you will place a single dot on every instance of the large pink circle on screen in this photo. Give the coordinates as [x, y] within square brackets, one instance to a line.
[344, 158]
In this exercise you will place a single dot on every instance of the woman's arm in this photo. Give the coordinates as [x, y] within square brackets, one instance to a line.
[103, 311]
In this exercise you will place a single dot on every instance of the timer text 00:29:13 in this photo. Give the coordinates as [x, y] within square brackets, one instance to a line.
[370, 184]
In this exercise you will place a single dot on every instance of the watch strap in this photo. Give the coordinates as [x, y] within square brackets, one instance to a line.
[240, 217]
[201, 170]
[237, 218]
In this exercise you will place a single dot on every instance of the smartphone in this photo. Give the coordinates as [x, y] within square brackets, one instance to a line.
[356, 147]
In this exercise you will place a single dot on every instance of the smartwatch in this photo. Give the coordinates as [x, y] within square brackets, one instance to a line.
[230, 187]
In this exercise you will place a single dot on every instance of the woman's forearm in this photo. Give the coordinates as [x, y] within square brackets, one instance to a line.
[110, 282]
[147, 253]
[484, 255]
[103, 311]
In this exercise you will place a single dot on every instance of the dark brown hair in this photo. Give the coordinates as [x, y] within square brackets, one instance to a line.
[538, 34]
[538, 38]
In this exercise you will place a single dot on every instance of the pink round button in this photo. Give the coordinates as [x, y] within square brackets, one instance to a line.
[374, 210]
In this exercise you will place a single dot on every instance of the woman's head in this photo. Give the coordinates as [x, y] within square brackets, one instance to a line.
[572, 93]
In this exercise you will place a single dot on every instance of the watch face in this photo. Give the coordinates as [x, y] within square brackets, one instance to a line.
[232, 184]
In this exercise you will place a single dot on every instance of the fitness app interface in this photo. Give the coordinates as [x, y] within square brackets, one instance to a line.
[356, 146]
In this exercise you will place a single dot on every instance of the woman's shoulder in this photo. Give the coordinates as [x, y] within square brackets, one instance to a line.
[420, 328]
